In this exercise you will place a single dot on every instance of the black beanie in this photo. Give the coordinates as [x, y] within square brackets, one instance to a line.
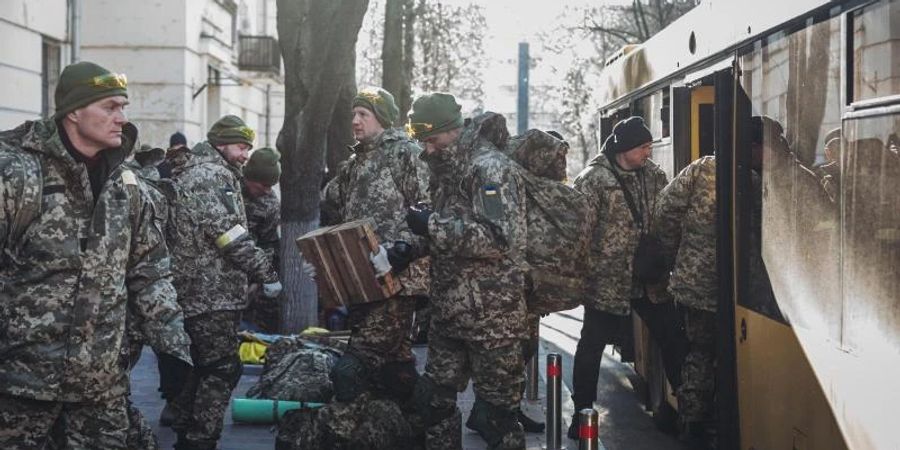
[176, 139]
[626, 135]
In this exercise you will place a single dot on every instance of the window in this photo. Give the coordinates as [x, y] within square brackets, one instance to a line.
[50, 68]
[876, 51]
[871, 231]
[654, 108]
[793, 81]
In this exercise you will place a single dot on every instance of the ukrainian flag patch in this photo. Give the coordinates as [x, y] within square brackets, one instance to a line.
[492, 201]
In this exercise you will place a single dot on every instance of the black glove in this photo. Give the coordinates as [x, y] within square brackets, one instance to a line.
[400, 255]
[417, 219]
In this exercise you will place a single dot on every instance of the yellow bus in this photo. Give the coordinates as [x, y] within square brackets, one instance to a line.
[810, 358]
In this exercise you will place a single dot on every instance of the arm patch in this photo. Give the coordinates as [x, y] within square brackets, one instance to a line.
[492, 201]
[236, 232]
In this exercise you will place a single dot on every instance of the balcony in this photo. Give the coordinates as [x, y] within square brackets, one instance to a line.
[259, 53]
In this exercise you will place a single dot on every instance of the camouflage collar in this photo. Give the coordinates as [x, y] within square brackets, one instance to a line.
[204, 152]
[43, 136]
[389, 135]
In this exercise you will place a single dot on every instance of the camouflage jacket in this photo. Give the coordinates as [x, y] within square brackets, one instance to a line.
[686, 226]
[263, 217]
[214, 253]
[616, 234]
[68, 279]
[478, 243]
[379, 181]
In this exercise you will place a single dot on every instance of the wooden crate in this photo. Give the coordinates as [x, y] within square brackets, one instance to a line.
[344, 273]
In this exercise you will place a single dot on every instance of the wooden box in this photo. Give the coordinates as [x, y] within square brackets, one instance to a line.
[344, 273]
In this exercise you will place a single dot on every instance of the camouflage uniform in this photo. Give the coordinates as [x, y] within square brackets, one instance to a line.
[478, 240]
[66, 285]
[615, 239]
[214, 255]
[176, 159]
[616, 234]
[263, 217]
[379, 181]
[686, 225]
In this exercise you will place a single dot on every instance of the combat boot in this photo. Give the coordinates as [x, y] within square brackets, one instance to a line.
[528, 424]
[183, 443]
[498, 427]
[698, 436]
[572, 432]
[168, 415]
[478, 416]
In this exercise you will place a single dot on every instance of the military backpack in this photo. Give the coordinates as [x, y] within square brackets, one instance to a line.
[560, 219]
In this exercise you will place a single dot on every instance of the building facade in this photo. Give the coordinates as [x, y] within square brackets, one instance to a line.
[188, 62]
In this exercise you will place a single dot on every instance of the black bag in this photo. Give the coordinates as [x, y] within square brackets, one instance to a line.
[648, 265]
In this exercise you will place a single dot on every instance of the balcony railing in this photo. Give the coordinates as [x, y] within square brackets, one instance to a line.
[259, 53]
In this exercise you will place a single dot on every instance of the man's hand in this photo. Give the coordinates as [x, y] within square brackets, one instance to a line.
[308, 269]
[380, 261]
[272, 290]
[417, 219]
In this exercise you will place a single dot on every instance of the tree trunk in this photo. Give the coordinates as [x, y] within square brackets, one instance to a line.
[397, 53]
[392, 49]
[318, 40]
[340, 136]
[404, 102]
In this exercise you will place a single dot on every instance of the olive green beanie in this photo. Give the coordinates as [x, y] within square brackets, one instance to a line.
[230, 130]
[432, 114]
[263, 166]
[83, 83]
[381, 103]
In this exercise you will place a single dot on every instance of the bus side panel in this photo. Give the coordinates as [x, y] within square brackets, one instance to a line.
[782, 405]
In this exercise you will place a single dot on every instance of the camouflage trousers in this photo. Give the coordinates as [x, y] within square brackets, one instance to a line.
[496, 369]
[203, 401]
[380, 332]
[27, 424]
[698, 373]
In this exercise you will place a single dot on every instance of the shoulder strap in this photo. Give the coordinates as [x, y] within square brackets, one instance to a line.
[638, 219]
[30, 202]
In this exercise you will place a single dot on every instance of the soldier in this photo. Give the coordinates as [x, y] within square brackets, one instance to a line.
[477, 241]
[80, 252]
[176, 155]
[263, 171]
[543, 155]
[380, 180]
[173, 372]
[623, 183]
[686, 226]
[214, 257]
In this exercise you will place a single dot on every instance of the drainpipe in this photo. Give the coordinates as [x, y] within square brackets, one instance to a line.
[75, 30]
[268, 111]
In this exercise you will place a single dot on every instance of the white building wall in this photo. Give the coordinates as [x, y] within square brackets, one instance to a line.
[23, 26]
[167, 50]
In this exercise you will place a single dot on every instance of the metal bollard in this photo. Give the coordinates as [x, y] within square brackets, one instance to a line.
[531, 379]
[588, 433]
[554, 402]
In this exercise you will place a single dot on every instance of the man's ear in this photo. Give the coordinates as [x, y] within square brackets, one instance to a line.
[73, 116]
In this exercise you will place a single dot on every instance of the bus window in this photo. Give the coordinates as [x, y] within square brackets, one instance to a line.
[876, 44]
[871, 247]
[651, 108]
[793, 82]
